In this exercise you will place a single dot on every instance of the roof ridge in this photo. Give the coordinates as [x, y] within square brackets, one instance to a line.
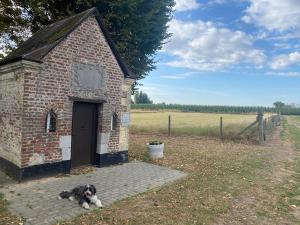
[43, 41]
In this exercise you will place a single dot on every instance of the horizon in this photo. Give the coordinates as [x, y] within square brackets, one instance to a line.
[258, 106]
[229, 52]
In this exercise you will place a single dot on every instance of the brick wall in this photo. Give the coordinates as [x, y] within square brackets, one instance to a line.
[52, 87]
[126, 103]
[11, 92]
[11, 108]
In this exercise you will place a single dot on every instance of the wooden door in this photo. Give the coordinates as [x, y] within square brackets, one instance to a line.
[84, 133]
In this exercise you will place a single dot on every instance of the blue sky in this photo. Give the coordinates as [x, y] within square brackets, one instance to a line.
[229, 52]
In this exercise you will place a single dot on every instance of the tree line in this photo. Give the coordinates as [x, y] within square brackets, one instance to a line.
[217, 109]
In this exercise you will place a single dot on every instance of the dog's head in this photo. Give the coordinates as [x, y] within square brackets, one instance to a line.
[89, 190]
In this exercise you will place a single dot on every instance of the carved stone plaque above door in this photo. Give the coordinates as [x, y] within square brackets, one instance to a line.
[88, 77]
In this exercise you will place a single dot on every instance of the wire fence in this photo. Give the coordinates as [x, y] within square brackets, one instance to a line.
[223, 126]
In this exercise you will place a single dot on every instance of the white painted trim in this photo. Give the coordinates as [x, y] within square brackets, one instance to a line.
[48, 122]
[65, 141]
[65, 146]
[102, 143]
[22, 64]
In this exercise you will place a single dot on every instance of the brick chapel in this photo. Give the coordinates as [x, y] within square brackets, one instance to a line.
[64, 100]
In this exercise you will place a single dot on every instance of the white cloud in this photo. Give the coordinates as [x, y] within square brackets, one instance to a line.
[213, 2]
[283, 61]
[179, 76]
[172, 77]
[186, 5]
[202, 45]
[274, 15]
[282, 45]
[284, 74]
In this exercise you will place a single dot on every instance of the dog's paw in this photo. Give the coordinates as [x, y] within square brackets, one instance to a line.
[98, 204]
[71, 198]
[59, 198]
[85, 205]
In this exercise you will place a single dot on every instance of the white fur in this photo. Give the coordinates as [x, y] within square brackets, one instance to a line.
[98, 204]
[94, 199]
[71, 198]
[85, 205]
[59, 198]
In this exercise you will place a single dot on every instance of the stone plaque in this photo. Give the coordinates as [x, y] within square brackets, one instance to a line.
[88, 77]
[125, 120]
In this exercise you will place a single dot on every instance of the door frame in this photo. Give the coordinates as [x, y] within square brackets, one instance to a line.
[94, 133]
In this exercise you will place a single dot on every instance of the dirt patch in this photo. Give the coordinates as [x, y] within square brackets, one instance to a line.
[83, 170]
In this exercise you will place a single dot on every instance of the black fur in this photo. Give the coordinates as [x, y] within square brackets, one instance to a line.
[81, 193]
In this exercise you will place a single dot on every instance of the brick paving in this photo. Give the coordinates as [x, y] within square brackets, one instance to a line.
[37, 200]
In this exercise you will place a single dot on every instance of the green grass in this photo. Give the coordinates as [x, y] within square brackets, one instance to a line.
[3, 203]
[295, 118]
[289, 189]
[294, 189]
[283, 132]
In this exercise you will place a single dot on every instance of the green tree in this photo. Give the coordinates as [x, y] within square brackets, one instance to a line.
[278, 105]
[141, 98]
[138, 27]
[14, 26]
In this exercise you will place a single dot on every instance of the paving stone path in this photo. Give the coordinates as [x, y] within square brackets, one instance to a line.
[37, 200]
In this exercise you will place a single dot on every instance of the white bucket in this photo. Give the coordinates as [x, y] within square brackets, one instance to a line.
[156, 151]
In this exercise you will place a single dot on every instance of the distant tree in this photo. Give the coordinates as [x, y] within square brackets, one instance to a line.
[278, 105]
[291, 105]
[141, 98]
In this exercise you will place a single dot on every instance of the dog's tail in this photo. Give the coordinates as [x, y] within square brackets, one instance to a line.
[64, 194]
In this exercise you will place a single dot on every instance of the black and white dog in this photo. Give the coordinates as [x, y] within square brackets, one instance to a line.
[85, 194]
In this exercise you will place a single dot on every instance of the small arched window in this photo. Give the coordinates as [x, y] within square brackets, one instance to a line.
[51, 122]
[114, 120]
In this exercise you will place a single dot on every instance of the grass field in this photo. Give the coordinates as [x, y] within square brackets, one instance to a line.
[187, 123]
[228, 183]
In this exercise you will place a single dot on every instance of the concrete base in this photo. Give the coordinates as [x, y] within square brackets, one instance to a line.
[111, 158]
[47, 169]
[34, 171]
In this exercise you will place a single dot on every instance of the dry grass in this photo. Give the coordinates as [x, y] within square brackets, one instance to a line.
[6, 218]
[153, 120]
[218, 172]
[228, 183]
[187, 123]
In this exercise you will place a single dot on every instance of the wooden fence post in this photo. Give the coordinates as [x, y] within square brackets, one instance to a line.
[279, 117]
[261, 127]
[265, 129]
[169, 126]
[221, 128]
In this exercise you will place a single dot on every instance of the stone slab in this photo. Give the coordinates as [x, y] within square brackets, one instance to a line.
[37, 200]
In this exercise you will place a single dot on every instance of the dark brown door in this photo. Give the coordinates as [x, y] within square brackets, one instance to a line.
[84, 133]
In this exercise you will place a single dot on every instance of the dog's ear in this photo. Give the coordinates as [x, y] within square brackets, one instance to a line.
[93, 189]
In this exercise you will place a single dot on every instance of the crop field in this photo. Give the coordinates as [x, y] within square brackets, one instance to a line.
[189, 123]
